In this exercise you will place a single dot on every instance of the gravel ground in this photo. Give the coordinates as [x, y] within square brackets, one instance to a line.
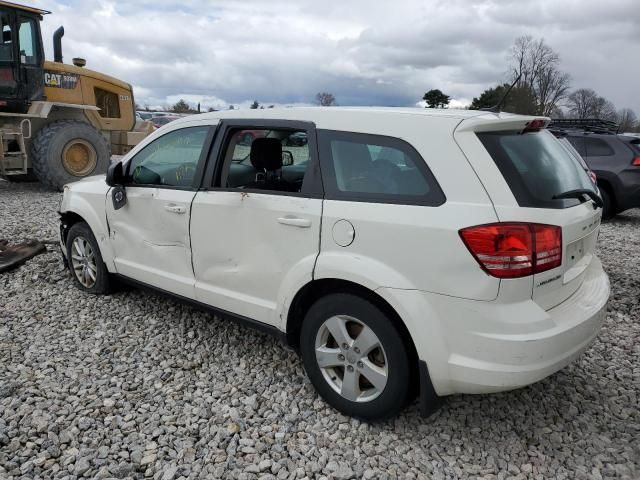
[133, 386]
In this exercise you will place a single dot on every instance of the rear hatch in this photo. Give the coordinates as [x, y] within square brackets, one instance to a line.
[525, 169]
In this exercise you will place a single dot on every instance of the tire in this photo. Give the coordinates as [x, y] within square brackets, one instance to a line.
[101, 284]
[609, 208]
[359, 316]
[88, 151]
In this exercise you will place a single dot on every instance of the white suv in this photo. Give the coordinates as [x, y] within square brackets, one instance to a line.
[402, 251]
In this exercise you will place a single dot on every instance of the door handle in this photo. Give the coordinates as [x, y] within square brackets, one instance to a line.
[295, 222]
[175, 208]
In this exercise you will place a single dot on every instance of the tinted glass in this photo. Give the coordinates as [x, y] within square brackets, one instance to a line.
[573, 152]
[376, 168]
[578, 144]
[635, 145]
[170, 160]
[536, 167]
[597, 147]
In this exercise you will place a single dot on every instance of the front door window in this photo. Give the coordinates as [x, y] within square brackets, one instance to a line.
[170, 160]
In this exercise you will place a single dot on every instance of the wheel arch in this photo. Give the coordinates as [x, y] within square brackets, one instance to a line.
[76, 209]
[605, 184]
[316, 289]
[68, 220]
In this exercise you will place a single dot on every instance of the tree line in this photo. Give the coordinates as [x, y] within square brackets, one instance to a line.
[540, 87]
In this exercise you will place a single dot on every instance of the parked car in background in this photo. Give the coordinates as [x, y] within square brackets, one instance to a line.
[163, 120]
[246, 137]
[614, 158]
[403, 252]
[144, 115]
[297, 139]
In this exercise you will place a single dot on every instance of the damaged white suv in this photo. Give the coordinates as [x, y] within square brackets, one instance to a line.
[404, 252]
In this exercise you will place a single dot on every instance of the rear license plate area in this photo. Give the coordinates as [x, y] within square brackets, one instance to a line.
[575, 252]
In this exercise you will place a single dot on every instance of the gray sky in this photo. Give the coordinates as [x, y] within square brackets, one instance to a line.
[372, 52]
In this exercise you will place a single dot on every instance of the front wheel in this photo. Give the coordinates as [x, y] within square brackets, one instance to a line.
[85, 261]
[355, 357]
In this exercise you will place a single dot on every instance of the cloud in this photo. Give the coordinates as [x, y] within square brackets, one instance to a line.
[366, 53]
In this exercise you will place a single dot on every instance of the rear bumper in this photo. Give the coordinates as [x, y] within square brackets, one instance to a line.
[490, 347]
[503, 361]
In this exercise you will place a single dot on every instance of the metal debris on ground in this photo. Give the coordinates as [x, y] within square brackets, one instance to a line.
[12, 256]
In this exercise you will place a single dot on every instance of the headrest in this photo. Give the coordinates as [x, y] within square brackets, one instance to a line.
[266, 154]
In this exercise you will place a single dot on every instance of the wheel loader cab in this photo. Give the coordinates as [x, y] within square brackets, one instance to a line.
[21, 57]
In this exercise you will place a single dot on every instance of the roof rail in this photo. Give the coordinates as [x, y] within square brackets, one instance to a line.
[594, 125]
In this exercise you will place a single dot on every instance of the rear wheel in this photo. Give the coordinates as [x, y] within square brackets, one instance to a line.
[355, 357]
[609, 208]
[67, 151]
[85, 261]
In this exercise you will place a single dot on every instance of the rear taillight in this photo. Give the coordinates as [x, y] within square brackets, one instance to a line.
[593, 177]
[636, 162]
[513, 250]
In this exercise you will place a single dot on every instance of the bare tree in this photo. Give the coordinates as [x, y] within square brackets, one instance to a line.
[325, 99]
[537, 65]
[586, 103]
[581, 102]
[627, 120]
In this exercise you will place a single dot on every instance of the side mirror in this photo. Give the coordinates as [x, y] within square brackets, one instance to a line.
[115, 177]
[287, 158]
[115, 174]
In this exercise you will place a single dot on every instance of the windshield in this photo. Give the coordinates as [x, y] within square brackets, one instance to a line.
[536, 167]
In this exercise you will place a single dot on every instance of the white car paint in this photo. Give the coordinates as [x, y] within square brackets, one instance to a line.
[476, 333]
[150, 238]
[257, 251]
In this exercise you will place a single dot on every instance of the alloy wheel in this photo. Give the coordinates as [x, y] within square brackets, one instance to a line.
[83, 260]
[351, 358]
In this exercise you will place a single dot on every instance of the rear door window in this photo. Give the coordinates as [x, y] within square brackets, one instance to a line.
[536, 167]
[375, 168]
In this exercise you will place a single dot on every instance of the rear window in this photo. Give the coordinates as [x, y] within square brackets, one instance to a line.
[536, 167]
[573, 152]
[597, 147]
[635, 145]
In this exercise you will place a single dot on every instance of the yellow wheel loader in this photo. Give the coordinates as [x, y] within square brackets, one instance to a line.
[58, 122]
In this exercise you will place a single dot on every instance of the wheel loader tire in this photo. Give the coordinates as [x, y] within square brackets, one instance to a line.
[66, 151]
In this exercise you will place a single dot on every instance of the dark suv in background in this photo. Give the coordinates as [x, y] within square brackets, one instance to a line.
[614, 158]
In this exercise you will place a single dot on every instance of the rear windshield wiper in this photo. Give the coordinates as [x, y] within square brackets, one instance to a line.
[579, 193]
